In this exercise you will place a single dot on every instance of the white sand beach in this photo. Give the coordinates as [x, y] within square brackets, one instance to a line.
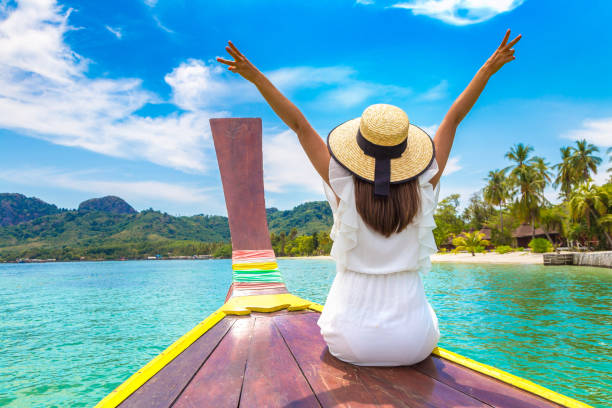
[490, 257]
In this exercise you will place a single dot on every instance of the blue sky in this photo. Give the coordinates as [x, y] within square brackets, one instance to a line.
[114, 97]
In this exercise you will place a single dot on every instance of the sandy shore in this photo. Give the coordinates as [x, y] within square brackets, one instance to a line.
[492, 257]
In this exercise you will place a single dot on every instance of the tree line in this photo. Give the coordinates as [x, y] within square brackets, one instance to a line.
[514, 195]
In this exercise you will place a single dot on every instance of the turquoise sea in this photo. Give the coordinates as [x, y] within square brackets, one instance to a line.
[71, 332]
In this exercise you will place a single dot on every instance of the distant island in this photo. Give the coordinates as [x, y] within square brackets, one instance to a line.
[109, 228]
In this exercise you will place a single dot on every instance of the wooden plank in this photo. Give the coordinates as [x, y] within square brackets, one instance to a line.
[238, 146]
[494, 392]
[163, 388]
[337, 383]
[217, 384]
[272, 377]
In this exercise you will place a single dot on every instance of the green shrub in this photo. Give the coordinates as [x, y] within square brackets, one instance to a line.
[503, 249]
[540, 245]
[519, 249]
[224, 251]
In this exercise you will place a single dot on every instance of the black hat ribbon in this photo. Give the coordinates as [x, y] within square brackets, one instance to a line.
[383, 156]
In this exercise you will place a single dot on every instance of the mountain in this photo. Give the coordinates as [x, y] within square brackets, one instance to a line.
[110, 228]
[109, 204]
[17, 208]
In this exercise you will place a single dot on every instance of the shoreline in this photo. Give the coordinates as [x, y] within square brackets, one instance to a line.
[516, 258]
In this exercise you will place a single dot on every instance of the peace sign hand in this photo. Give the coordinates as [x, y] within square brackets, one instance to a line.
[241, 65]
[503, 54]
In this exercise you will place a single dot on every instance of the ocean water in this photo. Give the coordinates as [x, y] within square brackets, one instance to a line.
[71, 332]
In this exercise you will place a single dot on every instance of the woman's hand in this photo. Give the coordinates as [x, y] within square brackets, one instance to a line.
[502, 55]
[314, 146]
[241, 65]
[445, 134]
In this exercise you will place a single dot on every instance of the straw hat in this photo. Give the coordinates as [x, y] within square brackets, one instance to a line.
[382, 147]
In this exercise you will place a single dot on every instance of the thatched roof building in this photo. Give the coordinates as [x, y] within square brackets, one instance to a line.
[524, 233]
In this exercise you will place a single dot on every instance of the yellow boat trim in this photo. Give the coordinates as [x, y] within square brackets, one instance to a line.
[509, 379]
[240, 305]
[255, 266]
[243, 305]
[119, 394]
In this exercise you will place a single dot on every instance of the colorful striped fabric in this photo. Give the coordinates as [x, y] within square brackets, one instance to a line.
[255, 265]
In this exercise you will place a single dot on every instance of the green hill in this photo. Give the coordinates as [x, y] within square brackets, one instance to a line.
[107, 229]
[17, 208]
[111, 204]
[307, 218]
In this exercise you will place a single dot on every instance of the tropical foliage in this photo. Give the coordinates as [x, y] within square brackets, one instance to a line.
[471, 242]
[540, 245]
[583, 218]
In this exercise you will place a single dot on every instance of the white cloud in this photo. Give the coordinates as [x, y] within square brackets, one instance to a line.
[459, 12]
[198, 85]
[145, 190]
[352, 92]
[596, 131]
[452, 165]
[45, 93]
[116, 31]
[287, 165]
[435, 93]
[365, 2]
[160, 25]
[150, 3]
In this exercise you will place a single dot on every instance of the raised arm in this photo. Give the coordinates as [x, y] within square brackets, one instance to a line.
[314, 146]
[443, 140]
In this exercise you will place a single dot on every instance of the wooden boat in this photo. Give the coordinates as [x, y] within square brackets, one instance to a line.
[263, 348]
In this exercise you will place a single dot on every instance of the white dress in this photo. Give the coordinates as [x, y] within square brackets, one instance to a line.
[376, 312]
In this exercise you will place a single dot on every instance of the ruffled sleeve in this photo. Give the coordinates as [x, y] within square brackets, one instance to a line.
[344, 230]
[426, 222]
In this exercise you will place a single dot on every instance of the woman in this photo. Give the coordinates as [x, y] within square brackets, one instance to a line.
[381, 177]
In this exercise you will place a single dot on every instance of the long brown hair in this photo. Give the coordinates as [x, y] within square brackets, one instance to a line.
[387, 214]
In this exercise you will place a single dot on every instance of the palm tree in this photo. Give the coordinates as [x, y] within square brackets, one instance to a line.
[519, 153]
[541, 167]
[496, 192]
[609, 152]
[590, 202]
[529, 177]
[565, 173]
[470, 241]
[584, 160]
[531, 196]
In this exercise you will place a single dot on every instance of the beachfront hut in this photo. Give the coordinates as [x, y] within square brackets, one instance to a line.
[523, 234]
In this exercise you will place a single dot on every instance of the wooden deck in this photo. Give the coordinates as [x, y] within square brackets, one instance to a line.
[280, 360]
